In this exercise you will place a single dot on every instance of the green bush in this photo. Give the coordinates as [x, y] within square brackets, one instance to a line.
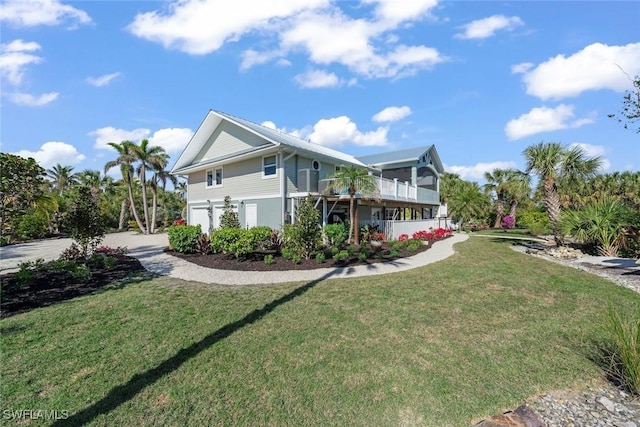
[362, 256]
[320, 257]
[261, 237]
[303, 237]
[413, 245]
[336, 234]
[229, 218]
[32, 226]
[341, 256]
[240, 242]
[183, 237]
[535, 221]
[268, 259]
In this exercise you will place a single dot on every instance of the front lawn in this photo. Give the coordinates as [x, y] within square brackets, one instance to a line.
[441, 345]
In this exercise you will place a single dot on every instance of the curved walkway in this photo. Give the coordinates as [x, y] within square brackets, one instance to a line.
[149, 251]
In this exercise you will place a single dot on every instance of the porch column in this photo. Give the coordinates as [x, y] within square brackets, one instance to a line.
[395, 185]
[324, 211]
[406, 189]
[414, 175]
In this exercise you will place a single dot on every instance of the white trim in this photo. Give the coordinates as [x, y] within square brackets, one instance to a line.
[245, 198]
[275, 165]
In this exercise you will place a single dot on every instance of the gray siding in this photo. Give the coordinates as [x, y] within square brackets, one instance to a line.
[239, 180]
[228, 139]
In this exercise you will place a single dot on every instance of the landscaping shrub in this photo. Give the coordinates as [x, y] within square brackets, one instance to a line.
[536, 222]
[183, 237]
[224, 240]
[202, 245]
[268, 259]
[336, 234]
[262, 237]
[320, 257]
[303, 237]
[508, 222]
[229, 218]
[625, 348]
[341, 256]
[32, 226]
[403, 237]
[84, 222]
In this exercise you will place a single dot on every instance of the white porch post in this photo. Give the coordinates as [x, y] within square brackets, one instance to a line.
[414, 175]
[395, 185]
[406, 189]
[324, 211]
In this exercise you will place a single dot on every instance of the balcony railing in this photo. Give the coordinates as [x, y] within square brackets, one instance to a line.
[392, 189]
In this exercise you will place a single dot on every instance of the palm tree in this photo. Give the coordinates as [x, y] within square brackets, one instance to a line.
[468, 202]
[555, 165]
[160, 177]
[125, 160]
[149, 158]
[497, 182]
[602, 224]
[518, 190]
[62, 177]
[356, 181]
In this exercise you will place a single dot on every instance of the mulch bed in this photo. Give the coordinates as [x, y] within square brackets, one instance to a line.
[255, 261]
[47, 288]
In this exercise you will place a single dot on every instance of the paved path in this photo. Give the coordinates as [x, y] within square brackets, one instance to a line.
[149, 250]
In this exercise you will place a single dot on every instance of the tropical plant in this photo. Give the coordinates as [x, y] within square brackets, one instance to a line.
[125, 160]
[601, 224]
[467, 202]
[148, 158]
[304, 236]
[624, 349]
[356, 181]
[62, 178]
[159, 180]
[555, 164]
[497, 185]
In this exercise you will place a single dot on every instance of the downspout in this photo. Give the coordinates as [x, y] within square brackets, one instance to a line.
[283, 182]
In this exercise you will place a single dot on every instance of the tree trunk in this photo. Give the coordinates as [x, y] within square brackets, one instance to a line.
[356, 226]
[512, 210]
[132, 206]
[145, 206]
[351, 199]
[123, 213]
[552, 204]
[499, 211]
[154, 206]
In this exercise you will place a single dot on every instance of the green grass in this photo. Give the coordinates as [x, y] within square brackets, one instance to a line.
[516, 232]
[441, 345]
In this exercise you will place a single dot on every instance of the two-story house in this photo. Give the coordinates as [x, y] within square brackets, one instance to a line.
[267, 173]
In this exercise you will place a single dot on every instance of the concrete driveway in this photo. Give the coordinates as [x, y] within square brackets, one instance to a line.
[139, 245]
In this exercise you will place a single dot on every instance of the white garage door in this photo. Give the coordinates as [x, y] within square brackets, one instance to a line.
[200, 216]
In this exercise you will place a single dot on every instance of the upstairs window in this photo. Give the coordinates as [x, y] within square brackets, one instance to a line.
[269, 166]
[214, 178]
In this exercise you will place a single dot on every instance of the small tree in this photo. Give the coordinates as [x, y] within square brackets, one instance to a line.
[84, 221]
[630, 113]
[304, 237]
[229, 218]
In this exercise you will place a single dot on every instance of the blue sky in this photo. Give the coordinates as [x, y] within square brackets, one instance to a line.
[480, 80]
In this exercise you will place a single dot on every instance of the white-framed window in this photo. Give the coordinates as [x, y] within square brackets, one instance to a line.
[269, 166]
[315, 165]
[214, 177]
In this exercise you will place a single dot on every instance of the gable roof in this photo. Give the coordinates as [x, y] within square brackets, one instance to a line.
[272, 136]
[401, 156]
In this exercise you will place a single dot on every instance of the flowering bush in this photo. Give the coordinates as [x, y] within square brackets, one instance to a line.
[438, 234]
[377, 236]
[403, 237]
[508, 222]
[180, 222]
[423, 235]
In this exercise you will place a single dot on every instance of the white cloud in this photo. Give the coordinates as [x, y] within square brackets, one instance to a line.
[487, 27]
[594, 151]
[522, 68]
[544, 119]
[318, 28]
[597, 66]
[52, 153]
[200, 27]
[14, 57]
[392, 114]
[102, 80]
[317, 78]
[30, 100]
[269, 124]
[172, 140]
[109, 134]
[476, 172]
[31, 13]
[341, 130]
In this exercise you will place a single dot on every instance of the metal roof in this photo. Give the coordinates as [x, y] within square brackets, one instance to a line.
[395, 156]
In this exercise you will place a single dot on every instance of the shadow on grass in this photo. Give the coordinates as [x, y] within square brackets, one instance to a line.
[125, 392]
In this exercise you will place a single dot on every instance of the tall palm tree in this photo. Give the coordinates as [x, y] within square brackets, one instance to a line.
[148, 158]
[126, 158]
[62, 177]
[555, 165]
[159, 178]
[497, 183]
[356, 181]
[518, 190]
